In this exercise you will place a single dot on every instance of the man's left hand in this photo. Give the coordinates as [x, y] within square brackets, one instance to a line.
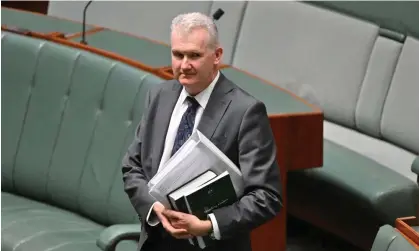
[190, 222]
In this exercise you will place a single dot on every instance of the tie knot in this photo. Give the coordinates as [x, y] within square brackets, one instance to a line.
[192, 103]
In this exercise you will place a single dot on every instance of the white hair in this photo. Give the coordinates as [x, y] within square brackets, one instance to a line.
[190, 21]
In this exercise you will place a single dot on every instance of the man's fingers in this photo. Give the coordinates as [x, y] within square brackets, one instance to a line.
[175, 232]
[161, 217]
[165, 222]
[179, 224]
[172, 214]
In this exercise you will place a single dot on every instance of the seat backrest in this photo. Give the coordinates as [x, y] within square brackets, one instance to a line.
[400, 115]
[362, 77]
[388, 107]
[67, 119]
[301, 45]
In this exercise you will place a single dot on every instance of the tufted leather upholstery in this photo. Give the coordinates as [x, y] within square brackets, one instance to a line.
[67, 119]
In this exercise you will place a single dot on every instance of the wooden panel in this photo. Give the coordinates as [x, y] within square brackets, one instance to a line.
[289, 132]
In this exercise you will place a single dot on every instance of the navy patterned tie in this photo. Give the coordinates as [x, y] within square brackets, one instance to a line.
[186, 124]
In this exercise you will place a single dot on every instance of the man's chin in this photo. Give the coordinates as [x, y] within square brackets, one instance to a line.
[188, 80]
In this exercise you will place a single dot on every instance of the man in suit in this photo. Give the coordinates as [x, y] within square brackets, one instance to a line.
[201, 98]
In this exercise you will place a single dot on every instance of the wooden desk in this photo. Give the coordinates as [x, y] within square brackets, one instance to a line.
[153, 54]
[44, 24]
[406, 226]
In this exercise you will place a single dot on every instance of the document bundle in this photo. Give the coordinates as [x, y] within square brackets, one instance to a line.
[197, 179]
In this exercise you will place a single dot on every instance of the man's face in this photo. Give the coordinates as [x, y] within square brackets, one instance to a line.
[193, 63]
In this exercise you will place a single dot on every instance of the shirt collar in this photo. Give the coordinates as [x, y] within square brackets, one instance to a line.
[202, 97]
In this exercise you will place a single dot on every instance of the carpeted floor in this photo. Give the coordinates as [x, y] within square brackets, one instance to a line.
[305, 237]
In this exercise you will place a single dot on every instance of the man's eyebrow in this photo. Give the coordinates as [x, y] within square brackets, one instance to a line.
[186, 52]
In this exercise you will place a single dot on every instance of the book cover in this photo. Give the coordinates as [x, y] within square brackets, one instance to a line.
[213, 194]
[176, 197]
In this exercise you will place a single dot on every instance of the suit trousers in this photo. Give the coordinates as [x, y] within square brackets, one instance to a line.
[162, 241]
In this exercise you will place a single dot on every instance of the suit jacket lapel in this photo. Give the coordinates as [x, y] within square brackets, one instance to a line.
[216, 107]
[167, 100]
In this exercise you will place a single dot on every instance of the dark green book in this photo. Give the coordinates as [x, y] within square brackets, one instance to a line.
[176, 197]
[176, 200]
[201, 201]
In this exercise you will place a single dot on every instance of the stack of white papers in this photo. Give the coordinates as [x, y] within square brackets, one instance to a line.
[197, 155]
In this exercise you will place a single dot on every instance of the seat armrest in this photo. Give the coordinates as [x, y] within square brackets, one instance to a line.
[415, 166]
[385, 236]
[112, 235]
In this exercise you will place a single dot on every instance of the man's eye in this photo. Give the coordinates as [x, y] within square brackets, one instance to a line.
[178, 55]
[195, 55]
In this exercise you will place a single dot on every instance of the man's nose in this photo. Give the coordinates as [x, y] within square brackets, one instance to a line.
[185, 63]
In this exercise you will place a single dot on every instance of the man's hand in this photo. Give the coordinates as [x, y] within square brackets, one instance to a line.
[192, 224]
[178, 233]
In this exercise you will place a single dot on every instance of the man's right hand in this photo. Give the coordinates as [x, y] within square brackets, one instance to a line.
[180, 233]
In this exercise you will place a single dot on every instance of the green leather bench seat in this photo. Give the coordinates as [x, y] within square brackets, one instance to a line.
[142, 50]
[68, 117]
[38, 23]
[27, 224]
[388, 239]
[353, 190]
[31, 225]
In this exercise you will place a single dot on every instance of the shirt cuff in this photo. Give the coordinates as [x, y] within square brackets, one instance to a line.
[152, 218]
[215, 228]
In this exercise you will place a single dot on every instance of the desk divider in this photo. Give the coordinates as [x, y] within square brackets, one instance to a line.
[405, 227]
[79, 34]
[298, 136]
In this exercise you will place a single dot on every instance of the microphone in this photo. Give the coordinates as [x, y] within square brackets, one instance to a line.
[218, 14]
[83, 37]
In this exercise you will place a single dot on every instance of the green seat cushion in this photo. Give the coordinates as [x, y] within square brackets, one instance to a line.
[360, 181]
[31, 225]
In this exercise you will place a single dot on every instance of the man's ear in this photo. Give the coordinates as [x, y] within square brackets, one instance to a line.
[218, 55]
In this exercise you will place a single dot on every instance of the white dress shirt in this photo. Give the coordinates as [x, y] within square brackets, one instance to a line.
[178, 111]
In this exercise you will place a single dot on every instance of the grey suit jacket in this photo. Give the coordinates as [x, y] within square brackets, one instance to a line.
[238, 125]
